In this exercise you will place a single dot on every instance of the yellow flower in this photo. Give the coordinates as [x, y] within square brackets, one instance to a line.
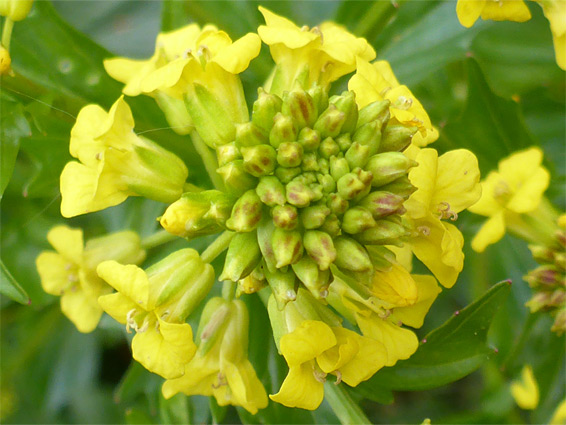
[525, 392]
[155, 304]
[115, 163]
[319, 55]
[559, 416]
[516, 188]
[70, 270]
[221, 367]
[16, 10]
[498, 10]
[446, 185]
[374, 82]
[555, 12]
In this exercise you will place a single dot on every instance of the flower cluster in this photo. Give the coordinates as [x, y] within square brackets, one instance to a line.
[320, 200]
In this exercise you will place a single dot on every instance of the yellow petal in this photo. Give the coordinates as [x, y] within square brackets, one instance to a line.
[422, 140]
[129, 280]
[177, 42]
[469, 11]
[423, 177]
[166, 349]
[399, 342]
[528, 196]
[307, 341]
[117, 129]
[506, 10]
[384, 68]
[560, 50]
[117, 306]
[395, 286]
[200, 378]
[236, 57]
[559, 416]
[67, 242]
[245, 387]
[54, 272]
[282, 30]
[169, 78]
[414, 315]
[490, 232]
[367, 83]
[489, 203]
[130, 72]
[525, 392]
[88, 127]
[343, 352]
[81, 309]
[300, 388]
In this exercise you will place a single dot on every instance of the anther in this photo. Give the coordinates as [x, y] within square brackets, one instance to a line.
[425, 230]
[338, 377]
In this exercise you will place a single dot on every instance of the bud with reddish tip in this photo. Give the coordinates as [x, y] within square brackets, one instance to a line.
[259, 160]
[271, 191]
[285, 216]
[287, 247]
[249, 134]
[320, 247]
[350, 255]
[264, 109]
[388, 166]
[357, 220]
[382, 204]
[396, 138]
[284, 130]
[299, 105]
[246, 213]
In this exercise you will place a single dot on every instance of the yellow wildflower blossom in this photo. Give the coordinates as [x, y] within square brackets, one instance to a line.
[446, 185]
[155, 304]
[70, 270]
[221, 367]
[517, 187]
[555, 12]
[319, 55]
[115, 163]
[498, 10]
[525, 392]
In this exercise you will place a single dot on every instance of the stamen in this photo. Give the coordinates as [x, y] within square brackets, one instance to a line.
[305, 28]
[425, 230]
[68, 266]
[404, 102]
[130, 322]
[73, 278]
[145, 326]
[446, 212]
[316, 30]
[338, 377]
[98, 156]
[319, 375]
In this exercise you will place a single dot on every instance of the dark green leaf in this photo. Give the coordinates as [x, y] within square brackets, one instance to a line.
[11, 288]
[175, 410]
[450, 352]
[135, 382]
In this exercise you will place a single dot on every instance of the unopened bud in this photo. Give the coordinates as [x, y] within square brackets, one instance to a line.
[314, 216]
[344, 141]
[236, 179]
[283, 286]
[557, 298]
[337, 204]
[346, 103]
[246, 213]
[5, 61]
[327, 183]
[382, 204]
[285, 175]
[300, 106]
[388, 166]
[287, 247]
[385, 232]
[320, 248]
[197, 213]
[323, 165]
[249, 134]
[330, 122]
[259, 160]
[309, 139]
[242, 257]
[338, 167]
[396, 138]
[350, 255]
[271, 191]
[228, 153]
[401, 187]
[284, 130]
[542, 254]
[328, 147]
[353, 184]
[285, 216]
[543, 276]
[559, 325]
[264, 110]
[299, 194]
[314, 279]
[378, 110]
[319, 96]
[310, 162]
[15, 10]
[251, 284]
[331, 225]
[289, 154]
[369, 135]
[560, 260]
[357, 220]
[357, 155]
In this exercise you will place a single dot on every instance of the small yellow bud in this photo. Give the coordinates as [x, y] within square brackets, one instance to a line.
[16, 10]
[5, 61]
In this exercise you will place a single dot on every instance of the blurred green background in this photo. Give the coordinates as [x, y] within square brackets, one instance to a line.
[493, 89]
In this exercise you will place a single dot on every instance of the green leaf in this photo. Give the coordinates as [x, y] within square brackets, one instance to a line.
[135, 382]
[10, 287]
[175, 410]
[13, 126]
[344, 407]
[450, 352]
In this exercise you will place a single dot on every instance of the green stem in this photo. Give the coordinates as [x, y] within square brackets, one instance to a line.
[518, 347]
[7, 33]
[210, 162]
[376, 17]
[159, 238]
[217, 247]
[347, 411]
[228, 290]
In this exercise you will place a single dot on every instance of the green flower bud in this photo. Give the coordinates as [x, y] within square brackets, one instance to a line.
[313, 217]
[271, 191]
[264, 233]
[357, 220]
[542, 254]
[369, 135]
[252, 283]
[320, 248]
[324, 165]
[396, 138]
[299, 194]
[346, 103]
[287, 247]
[264, 109]
[300, 106]
[353, 184]
[249, 134]
[314, 279]
[545, 276]
[388, 166]
[309, 139]
[284, 130]
[358, 155]
[330, 122]
[559, 325]
[123, 247]
[310, 162]
[289, 154]
[382, 204]
[378, 110]
[350, 255]
[328, 147]
[331, 225]
[236, 179]
[381, 257]
[337, 204]
[285, 216]
[320, 98]
[344, 141]
[283, 286]
[285, 175]
[228, 153]
[402, 187]
[242, 257]
[327, 183]
[385, 232]
[259, 160]
[338, 167]
[246, 213]
[197, 213]
[560, 260]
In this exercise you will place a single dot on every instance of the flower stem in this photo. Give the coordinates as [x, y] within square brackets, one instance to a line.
[228, 290]
[210, 162]
[7, 33]
[217, 247]
[347, 411]
[159, 238]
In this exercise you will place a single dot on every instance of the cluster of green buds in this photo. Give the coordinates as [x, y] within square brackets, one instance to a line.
[310, 180]
[549, 279]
